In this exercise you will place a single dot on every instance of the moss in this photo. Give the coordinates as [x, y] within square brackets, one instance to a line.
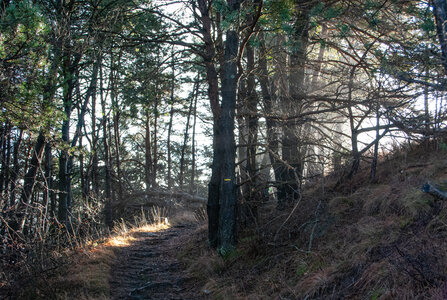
[375, 294]
[301, 270]
[404, 222]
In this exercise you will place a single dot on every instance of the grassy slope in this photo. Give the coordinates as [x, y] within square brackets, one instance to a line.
[382, 240]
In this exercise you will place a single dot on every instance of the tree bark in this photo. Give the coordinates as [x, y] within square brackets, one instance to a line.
[268, 92]
[291, 152]
[107, 165]
[209, 55]
[171, 116]
[116, 129]
[29, 181]
[252, 136]
[186, 135]
[193, 142]
[228, 199]
[16, 168]
[155, 144]
[440, 13]
[376, 146]
[148, 150]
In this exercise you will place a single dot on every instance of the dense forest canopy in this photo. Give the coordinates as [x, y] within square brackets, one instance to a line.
[110, 104]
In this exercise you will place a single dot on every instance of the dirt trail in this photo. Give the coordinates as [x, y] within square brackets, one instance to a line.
[148, 269]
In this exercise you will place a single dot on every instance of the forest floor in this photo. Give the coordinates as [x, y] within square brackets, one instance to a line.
[356, 239]
[148, 267]
[139, 261]
[346, 239]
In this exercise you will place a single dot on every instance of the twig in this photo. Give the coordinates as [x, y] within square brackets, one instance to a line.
[288, 217]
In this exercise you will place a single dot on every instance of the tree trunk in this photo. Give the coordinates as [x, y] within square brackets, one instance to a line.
[155, 148]
[29, 181]
[213, 95]
[228, 199]
[82, 174]
[107, 172]
[291, 152]
[244, 190]
[94, 171]
[3, 143]
[49, 193]
[354, 134]
[440, 13]
[252, 136]
[69, 67]
[268, 91]
[16, 168]
[193, 142]
[116, 129]
[376, 146]
[7, 162]
[171, 116]
[186, 135]
[148, 151]
[31, 171]
[3, 6]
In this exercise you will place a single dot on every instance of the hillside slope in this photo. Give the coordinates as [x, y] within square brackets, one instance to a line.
[355, 240]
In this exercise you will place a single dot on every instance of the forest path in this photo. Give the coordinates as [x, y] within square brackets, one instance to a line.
[148, 268]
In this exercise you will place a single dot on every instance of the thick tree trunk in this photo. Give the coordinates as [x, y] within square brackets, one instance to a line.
[228, 199]
[213, 95]
[65, 161]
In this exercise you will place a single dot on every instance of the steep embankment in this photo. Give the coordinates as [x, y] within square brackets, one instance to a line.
[355, 240]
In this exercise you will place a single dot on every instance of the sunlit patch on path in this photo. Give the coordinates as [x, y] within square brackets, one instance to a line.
[146, 266]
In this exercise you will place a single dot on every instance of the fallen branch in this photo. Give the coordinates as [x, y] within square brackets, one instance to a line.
[434, 191]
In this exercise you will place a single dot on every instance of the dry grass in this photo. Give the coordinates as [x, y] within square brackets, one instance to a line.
[84, 273]
[381, 240]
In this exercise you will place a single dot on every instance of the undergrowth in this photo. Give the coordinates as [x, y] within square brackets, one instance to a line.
[384, 239]
[83, 271]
